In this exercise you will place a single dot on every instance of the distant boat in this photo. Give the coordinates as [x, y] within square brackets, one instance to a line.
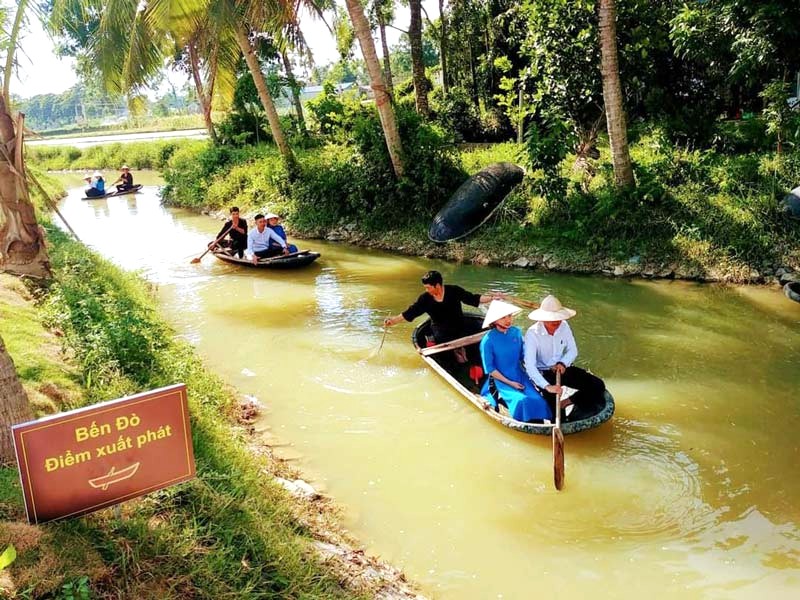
[458, 376]
[114, 476]
[792, 290]
[132, 190]
[294, 260]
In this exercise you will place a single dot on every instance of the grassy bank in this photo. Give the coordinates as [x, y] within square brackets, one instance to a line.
[92, 335]
[711, 215]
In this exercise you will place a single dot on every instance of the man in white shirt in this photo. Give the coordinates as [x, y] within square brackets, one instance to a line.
[258, 241]
[549, 349]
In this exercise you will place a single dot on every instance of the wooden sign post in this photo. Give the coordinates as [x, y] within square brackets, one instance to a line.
[83, 460]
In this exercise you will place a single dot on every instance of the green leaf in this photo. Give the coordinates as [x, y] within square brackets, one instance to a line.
[8, 556]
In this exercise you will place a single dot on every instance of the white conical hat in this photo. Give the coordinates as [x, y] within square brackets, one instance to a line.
[551, 310]
[497, 310]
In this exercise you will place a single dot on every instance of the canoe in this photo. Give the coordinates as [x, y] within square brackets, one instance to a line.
[114, 476]
[475, 202]
[792, 290]
[457, 375]
[291, 261]
[133, 190]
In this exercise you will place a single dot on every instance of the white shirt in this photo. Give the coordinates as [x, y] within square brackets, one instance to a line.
[259, 240]
[543, 350]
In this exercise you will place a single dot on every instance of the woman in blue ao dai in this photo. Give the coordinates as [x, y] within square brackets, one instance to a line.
[502, 355]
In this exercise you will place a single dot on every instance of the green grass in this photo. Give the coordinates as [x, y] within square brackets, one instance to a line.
[231, 533]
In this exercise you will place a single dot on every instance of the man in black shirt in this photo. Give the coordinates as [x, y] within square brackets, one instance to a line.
[125, 179]
[237, 230]
[442, 303]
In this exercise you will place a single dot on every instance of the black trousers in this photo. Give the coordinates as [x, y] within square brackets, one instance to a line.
[589, 397]
[269, 252]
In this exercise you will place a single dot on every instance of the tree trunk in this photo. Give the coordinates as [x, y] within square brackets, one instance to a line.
[204, 99]
[382, 99]
[22, 245]
[387, 62]
[612, 94]
[443, 45]
[298, 106]
[14, 407]
[264, 95]
[417, 63]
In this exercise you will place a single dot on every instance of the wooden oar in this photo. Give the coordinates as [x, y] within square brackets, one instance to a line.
[519, 301]
[216, 241]
[558, 442]
[452, 345]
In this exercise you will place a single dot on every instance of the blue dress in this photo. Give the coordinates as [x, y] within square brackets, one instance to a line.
[503, 352]
[279, 230]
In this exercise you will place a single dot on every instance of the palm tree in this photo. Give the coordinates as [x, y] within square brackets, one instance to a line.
[22, 245]
[612, 94]
[14, 407]
[417, 62]
[383, 100]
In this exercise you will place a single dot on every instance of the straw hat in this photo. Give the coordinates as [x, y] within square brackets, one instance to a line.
[97, 174]
[497, 310]
[271, 215]
[87, 177]
[551, 310]
[124, 168]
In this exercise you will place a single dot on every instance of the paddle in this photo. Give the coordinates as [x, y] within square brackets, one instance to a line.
[261, 261]
[216, 241]
[519, 301]
[558, 442]
[452, 345]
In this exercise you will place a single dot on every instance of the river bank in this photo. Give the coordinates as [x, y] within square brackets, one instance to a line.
[248, 526]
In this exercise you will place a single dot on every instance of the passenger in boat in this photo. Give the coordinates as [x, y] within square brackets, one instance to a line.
[258, 241]
[442, 303]
[97, 185]
[236, 229]
[550, 348]
[502, 353]
[273, 222]
[125, 180]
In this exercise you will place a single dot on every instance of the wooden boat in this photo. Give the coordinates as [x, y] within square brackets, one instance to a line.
[133, 190]
[792, 290]
[114, 476]
[458, 376]
[294, 260]
[474, 202]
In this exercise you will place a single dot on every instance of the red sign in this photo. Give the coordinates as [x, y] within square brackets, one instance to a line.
[91, 458]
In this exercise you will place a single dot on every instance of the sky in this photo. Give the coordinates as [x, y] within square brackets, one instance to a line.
[42, 72]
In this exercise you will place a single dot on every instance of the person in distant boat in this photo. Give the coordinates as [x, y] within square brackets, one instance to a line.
[550, 348]
[97, 185]
[442, 303]
[125, 180]
[258, 241]
[236, 230]
[502, 354]
[273, 222]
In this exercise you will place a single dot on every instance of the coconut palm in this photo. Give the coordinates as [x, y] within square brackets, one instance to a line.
[22, 246]
[612, 95]
[382, 98]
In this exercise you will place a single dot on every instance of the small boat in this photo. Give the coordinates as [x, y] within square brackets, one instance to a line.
[114, 476]
[458, 376]
[474, 202]
[792, 290]
[295, 260]
[132, 190]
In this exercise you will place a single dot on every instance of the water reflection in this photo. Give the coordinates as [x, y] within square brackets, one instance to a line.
[691, 491]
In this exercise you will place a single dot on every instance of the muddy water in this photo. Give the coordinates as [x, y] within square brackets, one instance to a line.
[691, 491]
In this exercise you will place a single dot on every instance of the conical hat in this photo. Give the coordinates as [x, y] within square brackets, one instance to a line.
[551, 310]
[497, 310]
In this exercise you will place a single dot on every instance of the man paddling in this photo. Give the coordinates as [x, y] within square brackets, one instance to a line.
[550, 348]
[258, 241]
[442, 303]
[236, 228]
[125, 180]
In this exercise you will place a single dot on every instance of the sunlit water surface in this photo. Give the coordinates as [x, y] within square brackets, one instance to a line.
[691, 491]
